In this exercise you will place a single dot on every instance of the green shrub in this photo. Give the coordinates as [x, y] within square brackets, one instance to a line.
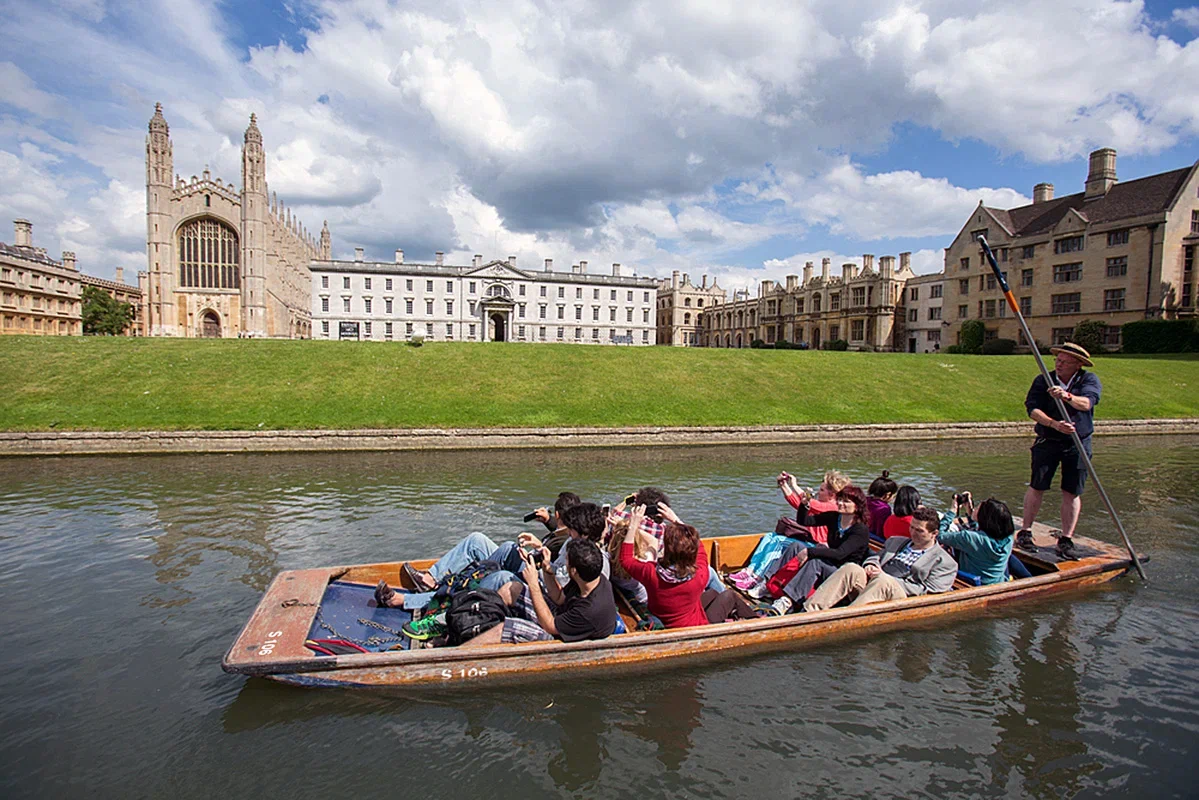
[973, 334]
[999, 347]
[757, 344]
[1160, 336]
[838, 344]
[954, 349]
[1089, 334]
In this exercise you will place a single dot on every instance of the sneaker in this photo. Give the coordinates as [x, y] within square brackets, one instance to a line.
[782, 605]
[1024, 540]
[743, 580]
[1066, 549]
[425, 628]
[760, 592]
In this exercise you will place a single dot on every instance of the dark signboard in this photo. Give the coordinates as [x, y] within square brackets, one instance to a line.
[627, 339]
[347, 330]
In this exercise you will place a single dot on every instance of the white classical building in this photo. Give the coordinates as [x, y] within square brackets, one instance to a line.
[492, 302]
[926, 321]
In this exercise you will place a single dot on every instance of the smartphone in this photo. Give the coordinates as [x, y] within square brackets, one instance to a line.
[605, 508]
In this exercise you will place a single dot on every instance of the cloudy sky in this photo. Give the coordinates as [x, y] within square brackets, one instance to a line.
[737, 139]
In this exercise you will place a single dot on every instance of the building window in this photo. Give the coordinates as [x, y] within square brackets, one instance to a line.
[964, 286]
[965, 263]
[578, 312]
[595, 294]
[1115, 238]
[1117, 267]
[429, 329]
[449, 286]
[934, 313]
[408, 306]
[387, 305]
[324, 281]
[521, 290]
[387, 284]
[1028, 251]
[324, 304]
[366, 328]
[645, 315]
[520, 331]
[543, 295]
[449, 307]
[834, 332]
[520, 311]
[1113, 300]
[541, 312]
[1071, 244]
[429, 288]
[449, 330]
[471, 287]
[687, 301]
[429, 308]
[408, 284]
[1067, 273]
[1026, 277]
[345, 304]
[699, 303]
[1067, 303]
[913, 315]
[471, 306]
[859, 296]
[914, 293]
[629, 315]
[834, 302]
[990, 309]
[209, 256]
[408, 328]
[933, 336]
[470, 330]
[611, 313]
[595, 313]
[366, 305]
[345, 282]
[387, 330]
[561, 333]
[934, 291]
[991, 281]
[1195, 222]
[578, 293]
[1062, 335]
[1026, 306]
[541, 334]
[630, 297]
[857, 330]
[561, 293]
[578, 333]
[1188, 275]
[366, 283]
[325, 327]
[799, 303]
[561, 314]
[1111, 337]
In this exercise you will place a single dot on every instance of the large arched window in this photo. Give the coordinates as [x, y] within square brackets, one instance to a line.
[498, 290]
[209, 255]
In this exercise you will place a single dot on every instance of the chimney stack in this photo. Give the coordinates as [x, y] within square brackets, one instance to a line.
[68, 259]
[22, 233]
[674, 279]
[705, 283]
[792, 283]
[867, 261]
[583, 267]
[825, 264]
[549, 265]
[615, 269]
[512, 261]
[905, 262]
[886, 265]
[807, 271]
[399, 256]
[1102, 174]
[439, 258]
[120, 275]
[358, 253]
[477, 260]
[1042, 192]
[765, 288]
[847, 272]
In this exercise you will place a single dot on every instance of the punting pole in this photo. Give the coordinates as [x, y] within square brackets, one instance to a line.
[1061, 406]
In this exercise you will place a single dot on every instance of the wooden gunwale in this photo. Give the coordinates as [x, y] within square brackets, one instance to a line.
[641, 646]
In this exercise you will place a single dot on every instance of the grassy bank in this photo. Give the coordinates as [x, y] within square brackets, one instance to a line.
[172, 384]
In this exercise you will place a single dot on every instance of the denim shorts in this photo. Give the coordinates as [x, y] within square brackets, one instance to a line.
[1048, 453]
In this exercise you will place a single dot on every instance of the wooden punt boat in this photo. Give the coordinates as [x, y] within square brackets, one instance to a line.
[272, 643]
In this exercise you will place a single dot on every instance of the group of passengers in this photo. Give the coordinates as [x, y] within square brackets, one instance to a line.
[565, 585]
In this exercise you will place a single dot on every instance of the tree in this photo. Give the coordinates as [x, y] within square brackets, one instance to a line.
[973, 334]
[1089, 334]
[103, 314]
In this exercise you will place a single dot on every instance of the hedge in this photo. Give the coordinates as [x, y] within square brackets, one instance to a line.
[1160, 336]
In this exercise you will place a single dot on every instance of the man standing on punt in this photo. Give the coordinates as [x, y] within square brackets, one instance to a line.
[1079, 391]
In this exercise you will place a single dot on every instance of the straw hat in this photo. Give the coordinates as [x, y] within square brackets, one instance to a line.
[1071, 349]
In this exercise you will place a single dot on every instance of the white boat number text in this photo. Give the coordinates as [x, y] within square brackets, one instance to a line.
[473, 672]
[270, 643]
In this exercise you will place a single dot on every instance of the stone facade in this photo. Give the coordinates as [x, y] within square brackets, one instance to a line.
[680, 303]
[38, 295]
[863, 306]
[926, 322]
[222, 262]
[496, 301]
[1115, 252]
[122, 293]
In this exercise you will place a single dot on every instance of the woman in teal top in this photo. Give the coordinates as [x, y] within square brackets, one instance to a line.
[983, 546]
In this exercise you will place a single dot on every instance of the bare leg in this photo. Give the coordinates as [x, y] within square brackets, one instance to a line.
[490, 636]
[511, 592]
[1071, 505]
[1032, 504]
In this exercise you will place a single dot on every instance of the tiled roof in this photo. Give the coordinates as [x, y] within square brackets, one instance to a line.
[1150, 195]
[29, 254]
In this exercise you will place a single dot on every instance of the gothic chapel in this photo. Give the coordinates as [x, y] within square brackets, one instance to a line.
[219, 262]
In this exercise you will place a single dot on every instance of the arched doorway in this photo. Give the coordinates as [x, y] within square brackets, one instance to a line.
[815, 338]
[499, 328]
[210, 325]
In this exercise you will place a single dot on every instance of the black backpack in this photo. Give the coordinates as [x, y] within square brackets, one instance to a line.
[472, 612]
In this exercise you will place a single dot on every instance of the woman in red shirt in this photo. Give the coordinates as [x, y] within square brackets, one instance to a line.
[676, 582]
[906, 500]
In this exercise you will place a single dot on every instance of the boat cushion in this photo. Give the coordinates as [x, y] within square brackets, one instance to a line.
[348, 611]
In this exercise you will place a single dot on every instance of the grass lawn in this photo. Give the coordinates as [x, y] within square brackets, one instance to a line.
[229, 384]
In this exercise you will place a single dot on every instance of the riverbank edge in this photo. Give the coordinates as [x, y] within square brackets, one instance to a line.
[65, 443]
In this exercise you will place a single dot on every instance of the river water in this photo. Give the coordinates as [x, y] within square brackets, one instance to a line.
[124, 580]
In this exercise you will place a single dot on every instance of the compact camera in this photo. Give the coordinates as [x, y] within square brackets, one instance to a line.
[532, 515]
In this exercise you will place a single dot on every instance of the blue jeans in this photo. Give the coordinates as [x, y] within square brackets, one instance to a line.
[475, 547]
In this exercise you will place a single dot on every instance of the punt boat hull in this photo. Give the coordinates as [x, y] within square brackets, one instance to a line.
[271, 644]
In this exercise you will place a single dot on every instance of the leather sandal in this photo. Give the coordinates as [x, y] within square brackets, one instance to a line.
[384, 594]
[420, 580]
[1066, 549]
[1024, 540]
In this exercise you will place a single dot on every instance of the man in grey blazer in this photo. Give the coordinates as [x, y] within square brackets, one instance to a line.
[908, 566]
